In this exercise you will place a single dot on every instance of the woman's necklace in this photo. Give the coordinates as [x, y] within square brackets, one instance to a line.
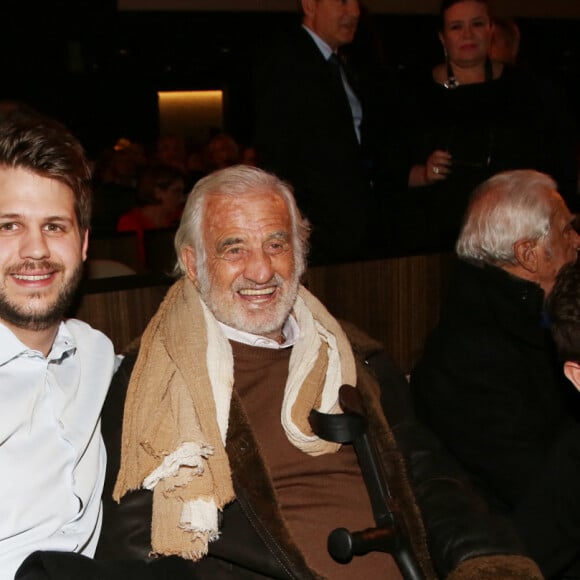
[453, 83]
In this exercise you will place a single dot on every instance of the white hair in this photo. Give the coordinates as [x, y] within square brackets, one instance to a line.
[508, 207]
[235, 181]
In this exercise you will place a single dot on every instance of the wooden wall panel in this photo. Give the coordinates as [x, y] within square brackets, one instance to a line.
[396, 301]
[122, 314]
[122, 247]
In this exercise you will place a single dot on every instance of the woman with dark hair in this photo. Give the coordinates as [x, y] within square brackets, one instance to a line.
[476, 117]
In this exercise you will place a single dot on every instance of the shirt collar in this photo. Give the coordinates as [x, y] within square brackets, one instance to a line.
[322, 46]
[11, 347]
[290, 330]
[63, 343]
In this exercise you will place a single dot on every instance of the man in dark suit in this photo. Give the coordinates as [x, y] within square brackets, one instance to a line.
[311, 129]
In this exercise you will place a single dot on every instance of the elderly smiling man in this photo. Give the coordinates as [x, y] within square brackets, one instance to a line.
[216, 414]
[222, 351]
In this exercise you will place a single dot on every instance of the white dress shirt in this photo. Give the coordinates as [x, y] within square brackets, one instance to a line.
[290, 332]
[52, 457]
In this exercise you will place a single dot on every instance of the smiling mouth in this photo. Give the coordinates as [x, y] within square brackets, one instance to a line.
[32, 278]
[257, 292]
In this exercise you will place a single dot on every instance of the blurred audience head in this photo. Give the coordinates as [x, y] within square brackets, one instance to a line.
[221, 151]
[16, 108]
[505, 41]
[162, 185]
[121, 164]
[171, 150]
[249, 155]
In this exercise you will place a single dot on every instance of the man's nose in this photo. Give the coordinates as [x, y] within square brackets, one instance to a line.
[259, 267]
[352, 8]
[33, 245]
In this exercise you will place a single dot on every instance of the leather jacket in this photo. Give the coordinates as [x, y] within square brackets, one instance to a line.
[450, 530]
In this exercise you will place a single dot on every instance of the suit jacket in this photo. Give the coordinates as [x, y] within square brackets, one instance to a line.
[305, 134]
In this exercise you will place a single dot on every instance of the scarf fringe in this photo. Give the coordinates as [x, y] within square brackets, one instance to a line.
[190, 454]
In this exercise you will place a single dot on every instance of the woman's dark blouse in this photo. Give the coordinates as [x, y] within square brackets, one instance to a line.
[517, 121]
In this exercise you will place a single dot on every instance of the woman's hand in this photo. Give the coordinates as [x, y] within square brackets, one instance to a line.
[436, 168]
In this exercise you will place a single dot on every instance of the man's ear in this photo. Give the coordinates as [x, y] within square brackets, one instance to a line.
[190, 263]
[572, 371]
[526, 254]
[308, 7]
[85, 245]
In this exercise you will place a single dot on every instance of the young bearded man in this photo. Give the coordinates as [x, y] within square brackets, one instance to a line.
[54, 374]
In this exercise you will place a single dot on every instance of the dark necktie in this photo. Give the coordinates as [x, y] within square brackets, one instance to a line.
[337, 66]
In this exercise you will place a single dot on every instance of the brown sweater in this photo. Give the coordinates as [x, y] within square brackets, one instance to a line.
[315, 494]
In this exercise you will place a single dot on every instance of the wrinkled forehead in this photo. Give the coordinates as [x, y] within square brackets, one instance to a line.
[248, 198]
[251, 211]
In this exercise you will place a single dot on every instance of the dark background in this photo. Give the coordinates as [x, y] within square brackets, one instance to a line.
[98, 69]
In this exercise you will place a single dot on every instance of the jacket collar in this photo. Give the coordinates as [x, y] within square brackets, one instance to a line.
[516, 304]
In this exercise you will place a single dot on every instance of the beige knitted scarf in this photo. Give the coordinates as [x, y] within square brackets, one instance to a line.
[177, 410]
